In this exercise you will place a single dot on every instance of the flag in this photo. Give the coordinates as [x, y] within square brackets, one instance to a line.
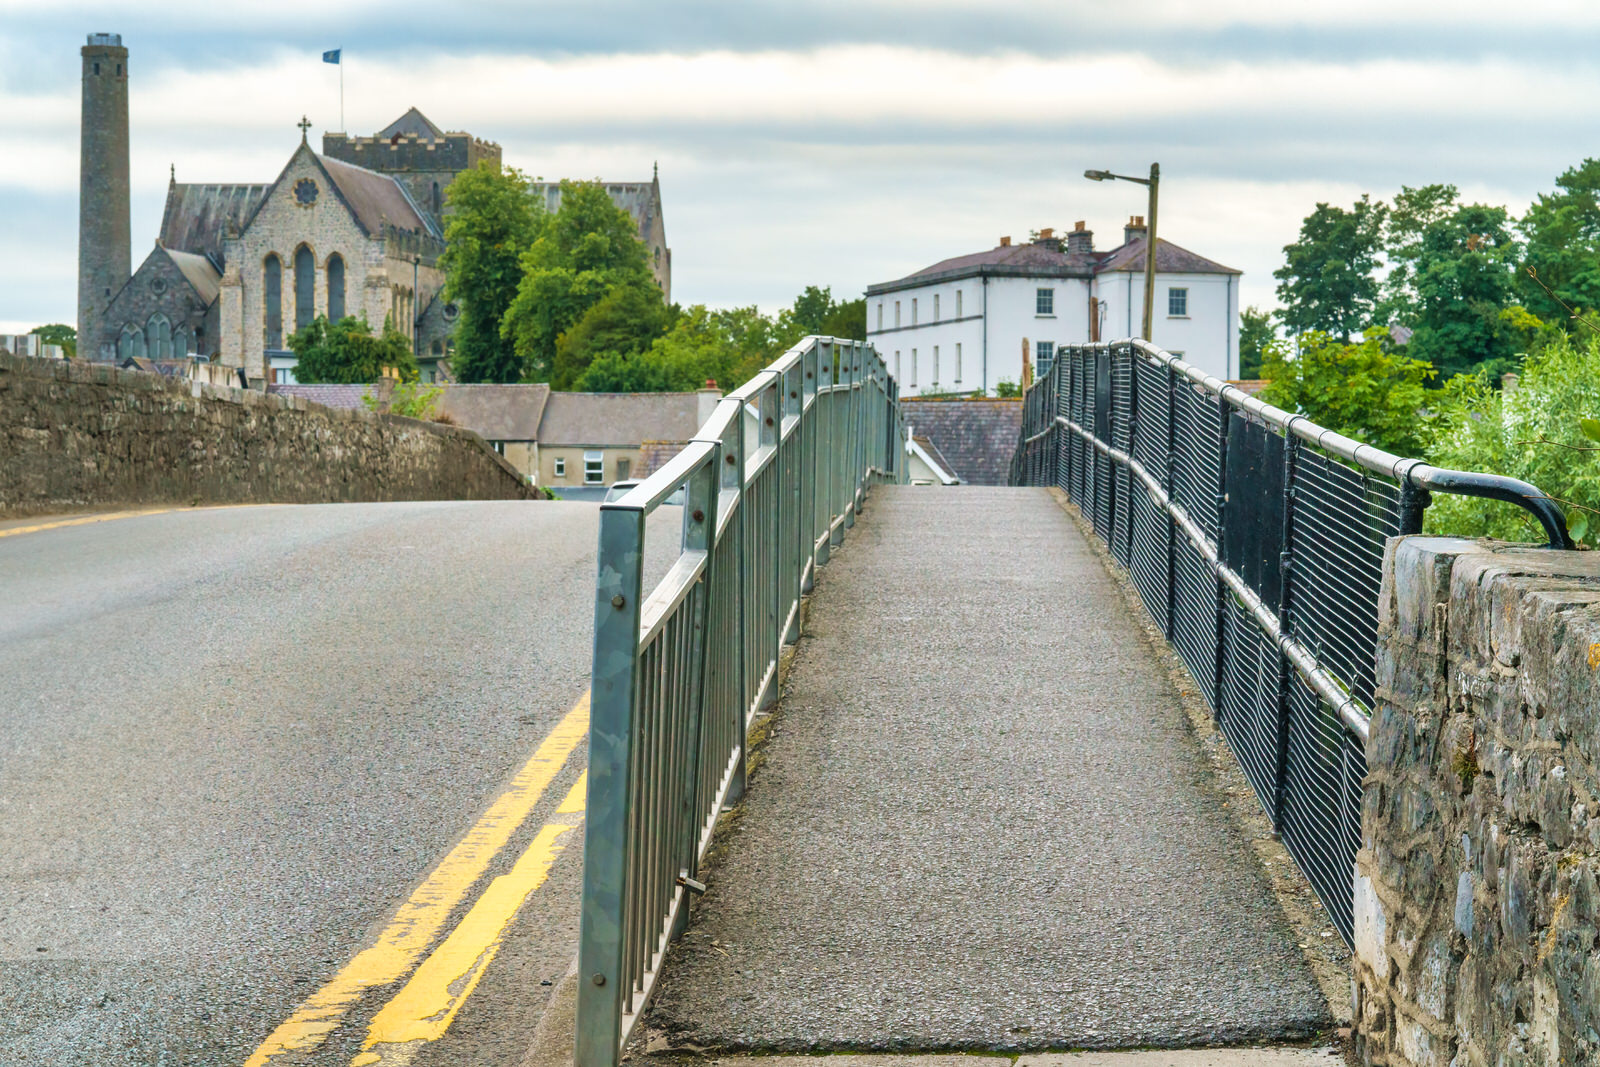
[333, 56]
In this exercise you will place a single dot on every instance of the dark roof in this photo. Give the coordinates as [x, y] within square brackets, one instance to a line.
[619, 420]
[346, 397]
[196, 216]
[927, 445]
[1033, 258]
[1170, 259]
[412, 124]
[199, 271]
[375, 198]
[497, 412]
[975, 438]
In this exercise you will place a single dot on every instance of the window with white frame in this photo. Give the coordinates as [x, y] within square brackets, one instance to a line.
[1044, 354]
[897, 376]
[498, 446]
[1044, 302]
[913, 382]
[897, 313]
[594, 468]
[1178, 303]
[935, 307]
[958, 346]
[958, 303]
[913, 311]
[561, 467]
[880, 316]
[936, 366]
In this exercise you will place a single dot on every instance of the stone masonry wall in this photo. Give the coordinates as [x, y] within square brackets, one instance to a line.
[77, 435]
[1477, 912]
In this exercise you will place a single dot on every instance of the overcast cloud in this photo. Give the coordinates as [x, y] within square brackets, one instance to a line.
[837, 143]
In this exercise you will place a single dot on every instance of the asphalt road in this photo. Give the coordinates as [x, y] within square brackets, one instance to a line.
[234, 741]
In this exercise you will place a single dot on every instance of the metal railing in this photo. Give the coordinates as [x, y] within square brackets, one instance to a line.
[773, 480]
[1256, 541]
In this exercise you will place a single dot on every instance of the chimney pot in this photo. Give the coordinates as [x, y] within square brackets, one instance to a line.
[1005, 242]
[1047, 233]
[1078, 226]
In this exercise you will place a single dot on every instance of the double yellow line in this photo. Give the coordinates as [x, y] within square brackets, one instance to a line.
[423, 1009]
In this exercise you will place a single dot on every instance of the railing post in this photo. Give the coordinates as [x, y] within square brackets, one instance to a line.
[1134, 356]
[794, 554]
[1171, 487]
[611, 752]
[826, 436]
[1413, 503]
[731, 465]
[841, 445]
[1224, 412]
[700, 501]
[1291, 447]
[851, 357]
[810, 426]
[771, 415]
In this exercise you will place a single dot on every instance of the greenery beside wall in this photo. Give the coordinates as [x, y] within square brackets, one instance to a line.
[348, 352]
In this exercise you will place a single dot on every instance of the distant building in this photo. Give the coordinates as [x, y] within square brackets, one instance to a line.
[967, 442]
[30, 344]
[960, 324]
[642, 200]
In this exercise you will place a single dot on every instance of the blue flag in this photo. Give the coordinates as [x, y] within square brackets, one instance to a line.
[333, 56]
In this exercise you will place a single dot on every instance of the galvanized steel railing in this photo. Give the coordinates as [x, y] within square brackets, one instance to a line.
[1256, 540]
[773, 479]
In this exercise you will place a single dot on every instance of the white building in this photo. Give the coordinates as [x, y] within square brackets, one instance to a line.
[960, 325]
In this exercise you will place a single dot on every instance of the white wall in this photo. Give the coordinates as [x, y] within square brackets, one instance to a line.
[1208, 337]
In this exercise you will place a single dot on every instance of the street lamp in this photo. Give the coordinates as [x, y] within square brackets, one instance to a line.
[1154, 182]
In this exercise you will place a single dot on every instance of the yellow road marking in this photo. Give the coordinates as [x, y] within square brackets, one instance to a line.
[84, 521]
[420, 918]
[426, 1006]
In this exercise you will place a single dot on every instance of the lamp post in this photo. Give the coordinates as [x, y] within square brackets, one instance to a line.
[1154, 184]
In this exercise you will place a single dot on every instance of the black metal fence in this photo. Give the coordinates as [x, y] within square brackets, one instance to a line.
[1256, 541]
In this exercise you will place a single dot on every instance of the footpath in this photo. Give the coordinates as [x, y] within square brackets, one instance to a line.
[981, 824]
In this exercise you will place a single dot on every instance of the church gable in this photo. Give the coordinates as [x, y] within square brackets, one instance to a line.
[163, 310]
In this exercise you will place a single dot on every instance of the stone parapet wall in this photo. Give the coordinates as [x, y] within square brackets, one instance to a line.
[1477, 903]
[75, 435]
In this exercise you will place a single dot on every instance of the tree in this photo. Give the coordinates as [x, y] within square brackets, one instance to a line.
[624, 321]
[1255, 334]
[493, 219]
[1362, 390]
[848, 319]
[1563, 232]
[816, 312]
[60, 334]
[725, 346]
[1327, 282]
[584, 251]
[1462, 274]
[1414, 210]
[346, 352]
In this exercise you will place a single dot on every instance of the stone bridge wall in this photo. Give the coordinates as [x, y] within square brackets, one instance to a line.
[75, 435]
[1476, 887]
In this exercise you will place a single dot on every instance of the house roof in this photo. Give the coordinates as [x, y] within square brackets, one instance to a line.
[1170, 259]
[497, 412]
[374, 198]
[196, 216]
[412, 124]
[199, 271]
[934, 457]
[619, 420]
[1040, 257]
[975, 439]
[346, 397]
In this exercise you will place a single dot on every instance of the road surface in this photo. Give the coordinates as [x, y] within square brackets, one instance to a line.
[292, 784]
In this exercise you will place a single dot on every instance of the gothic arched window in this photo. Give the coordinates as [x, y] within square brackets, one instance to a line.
[180, 343]
[131, 344]
[335, 287]
[305, 287]
[158, 337]
[272, 296]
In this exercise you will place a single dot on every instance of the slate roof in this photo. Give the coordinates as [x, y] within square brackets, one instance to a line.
[619, 420]
[375, 198]
[1040, 257]
[412, 124]
[196, 216]
[497, 412]
[347, 397]
[1170, 259]
[199, 271]
[927, 445]
[975, 438]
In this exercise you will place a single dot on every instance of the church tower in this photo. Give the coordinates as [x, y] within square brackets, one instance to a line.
[105, 253]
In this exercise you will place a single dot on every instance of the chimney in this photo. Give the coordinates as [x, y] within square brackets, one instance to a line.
[1134, 230]
[1047, 239]
[1005, 242]
[1080, 239]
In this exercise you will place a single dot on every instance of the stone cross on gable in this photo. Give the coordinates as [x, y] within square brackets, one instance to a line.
[305, 127]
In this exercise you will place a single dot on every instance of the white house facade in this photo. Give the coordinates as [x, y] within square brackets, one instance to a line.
[960, 326]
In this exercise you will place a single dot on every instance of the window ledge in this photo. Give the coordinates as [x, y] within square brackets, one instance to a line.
[1177, 316]
[1041, 315]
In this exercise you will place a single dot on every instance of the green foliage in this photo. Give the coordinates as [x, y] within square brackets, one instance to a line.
[1007, 389]
[582, 252]
[60, 334]
[1539, 432]
[1363, 390]
[493, 219]
[624, 321]
[1563, 232]
[1327, 282]
[1462, 277]
[1255, 334]
[346, 352]
[816, 312]
[1414, 210]
[847, 319]
[411, 399]
[727, 347]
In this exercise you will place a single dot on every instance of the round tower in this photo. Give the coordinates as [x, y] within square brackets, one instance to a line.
[105, 253]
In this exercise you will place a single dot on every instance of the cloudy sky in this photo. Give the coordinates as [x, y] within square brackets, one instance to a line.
[842, 142]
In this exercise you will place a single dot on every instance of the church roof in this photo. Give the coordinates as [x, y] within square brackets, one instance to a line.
[1170, 259]
[375, 198]
[412, 124]
[199, 271]
[196, 216]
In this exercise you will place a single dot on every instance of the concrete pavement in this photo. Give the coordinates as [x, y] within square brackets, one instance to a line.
[982, 823]
[233, 741]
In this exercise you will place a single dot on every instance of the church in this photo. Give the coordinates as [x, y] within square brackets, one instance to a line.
[355, 230]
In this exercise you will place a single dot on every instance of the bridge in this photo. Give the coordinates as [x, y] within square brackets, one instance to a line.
[1112, 759]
